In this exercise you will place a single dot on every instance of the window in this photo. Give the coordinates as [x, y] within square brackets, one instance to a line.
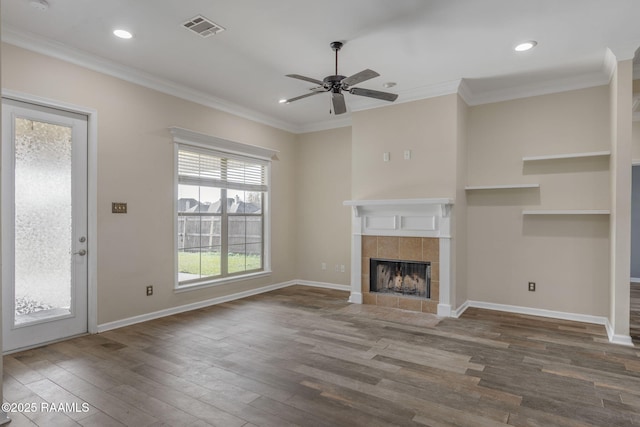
[221, 213]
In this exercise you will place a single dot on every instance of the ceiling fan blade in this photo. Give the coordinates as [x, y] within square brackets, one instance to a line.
[386, 96]
[306, 79]
[339, 106]
[359, 77]
[303, 96]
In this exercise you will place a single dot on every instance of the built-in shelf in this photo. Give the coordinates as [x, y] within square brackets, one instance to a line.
[567, 156]
[500, 187]
[567, 212]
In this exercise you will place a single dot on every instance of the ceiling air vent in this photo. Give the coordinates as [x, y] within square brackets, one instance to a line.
[202, 26]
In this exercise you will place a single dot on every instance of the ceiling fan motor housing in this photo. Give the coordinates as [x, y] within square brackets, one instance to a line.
[333, 82]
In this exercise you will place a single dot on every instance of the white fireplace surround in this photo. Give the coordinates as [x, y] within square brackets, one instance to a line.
[403, 218]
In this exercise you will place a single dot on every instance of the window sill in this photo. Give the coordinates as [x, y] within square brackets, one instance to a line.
[217, 282]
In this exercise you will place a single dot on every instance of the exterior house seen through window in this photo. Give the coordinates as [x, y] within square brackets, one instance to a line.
[220, 227]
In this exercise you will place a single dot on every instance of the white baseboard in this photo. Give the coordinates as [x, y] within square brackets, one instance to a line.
[188, 307]
[323, 285]
[635, 280]
[213, 301]
[356, 298]
[458, 311]
[576, 317]
[616, 338]
[443, 310]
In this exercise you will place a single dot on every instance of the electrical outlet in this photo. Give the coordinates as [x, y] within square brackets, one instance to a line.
[342, 268]
[532, 286]
[323, 266]
[149, 291]
[337, 268]
[119, 207]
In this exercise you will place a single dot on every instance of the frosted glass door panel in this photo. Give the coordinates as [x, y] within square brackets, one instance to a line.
[45, 249]
[43, 200]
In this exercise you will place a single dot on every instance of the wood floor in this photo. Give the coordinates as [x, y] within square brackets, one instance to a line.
[303, 356]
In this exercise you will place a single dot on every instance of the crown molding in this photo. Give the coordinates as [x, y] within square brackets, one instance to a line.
[610, 64]
[547, 87]
[624, 51]
[81, 58]
[325, 125]
[410, 95]
[465, 92]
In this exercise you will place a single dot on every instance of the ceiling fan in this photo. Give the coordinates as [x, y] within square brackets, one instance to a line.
[337, 83]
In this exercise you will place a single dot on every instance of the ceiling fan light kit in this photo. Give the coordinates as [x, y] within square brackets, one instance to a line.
[337, 83]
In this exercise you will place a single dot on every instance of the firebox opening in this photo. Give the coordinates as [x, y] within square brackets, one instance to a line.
[405, 278]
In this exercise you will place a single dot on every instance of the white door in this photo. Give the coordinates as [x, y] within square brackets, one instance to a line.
[44, 224]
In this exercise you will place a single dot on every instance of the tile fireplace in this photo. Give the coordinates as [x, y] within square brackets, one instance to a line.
[409, 242]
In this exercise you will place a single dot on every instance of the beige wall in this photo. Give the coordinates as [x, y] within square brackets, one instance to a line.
[323, 223]
[567, 256]
[427, 128]
[135, 165]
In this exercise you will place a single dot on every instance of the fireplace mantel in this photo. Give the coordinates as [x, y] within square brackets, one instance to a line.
[403, 218]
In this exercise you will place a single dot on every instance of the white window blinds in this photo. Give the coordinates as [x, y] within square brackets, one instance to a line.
[212, 169]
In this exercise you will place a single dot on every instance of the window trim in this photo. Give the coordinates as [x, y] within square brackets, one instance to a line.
[185, 137]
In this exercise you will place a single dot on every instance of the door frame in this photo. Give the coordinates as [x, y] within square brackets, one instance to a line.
[92, 192]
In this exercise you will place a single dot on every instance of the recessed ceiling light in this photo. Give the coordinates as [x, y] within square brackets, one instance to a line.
[282, 101]
[389, 84]
[526, 46]
[123, 34]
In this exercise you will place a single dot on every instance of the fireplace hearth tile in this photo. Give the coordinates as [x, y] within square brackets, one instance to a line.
[435, 271]
[430, 249]
[366, 282]
[410, 304]
[387, 301]
[369, 247]
[411, 248]
[365, 265]
[368, 298]
[388, 247]
[429, 306]
[435, 289]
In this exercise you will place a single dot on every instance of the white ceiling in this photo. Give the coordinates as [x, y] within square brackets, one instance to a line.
[425, 46]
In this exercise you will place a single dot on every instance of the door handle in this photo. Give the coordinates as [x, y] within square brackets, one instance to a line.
[81, 252]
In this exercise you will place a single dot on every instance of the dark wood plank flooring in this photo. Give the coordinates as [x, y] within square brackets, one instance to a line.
[303, 356]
